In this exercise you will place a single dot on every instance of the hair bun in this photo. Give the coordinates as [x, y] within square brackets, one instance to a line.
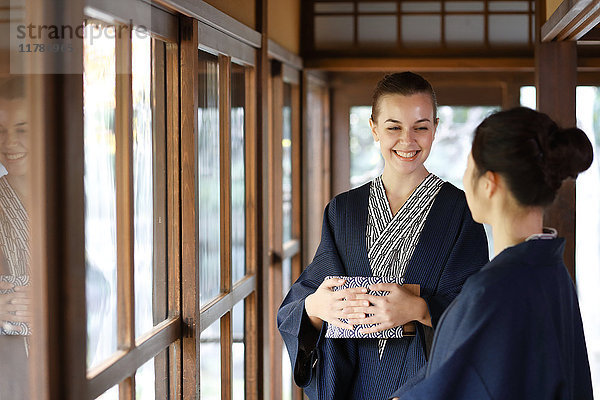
[568, 153]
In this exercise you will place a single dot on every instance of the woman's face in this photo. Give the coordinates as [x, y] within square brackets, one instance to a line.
[14, 136]
[405, 129]
[471, 181]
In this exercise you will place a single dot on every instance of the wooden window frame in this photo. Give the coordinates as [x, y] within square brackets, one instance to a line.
[281, 74]
[398, 49]
[197, 36]
[132, 353]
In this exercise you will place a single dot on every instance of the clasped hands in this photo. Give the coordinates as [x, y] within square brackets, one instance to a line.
[14, 307]
[397, 308]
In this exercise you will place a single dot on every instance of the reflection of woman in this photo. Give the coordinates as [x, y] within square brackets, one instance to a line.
[14, 247]
[515, 331]
[405, 224]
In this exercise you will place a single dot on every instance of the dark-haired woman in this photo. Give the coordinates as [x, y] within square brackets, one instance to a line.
[515, 330]
[406, 224]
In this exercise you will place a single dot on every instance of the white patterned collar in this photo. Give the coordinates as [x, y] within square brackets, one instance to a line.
[547, 233]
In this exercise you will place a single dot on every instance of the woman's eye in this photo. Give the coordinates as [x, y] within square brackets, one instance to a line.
[394, 128]
[422, 128]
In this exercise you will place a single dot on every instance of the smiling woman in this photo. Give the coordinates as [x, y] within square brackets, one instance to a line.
[14, 242]
[407, 225]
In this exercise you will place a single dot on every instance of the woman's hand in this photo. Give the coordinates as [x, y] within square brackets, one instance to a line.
[14, 307]
[397, 308]
[325, 304]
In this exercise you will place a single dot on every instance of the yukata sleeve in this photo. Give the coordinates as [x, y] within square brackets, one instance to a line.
[468, 254]
[299, 335]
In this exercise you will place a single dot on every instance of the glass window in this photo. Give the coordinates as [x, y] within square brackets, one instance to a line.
[331, 31]
[464, 29]
[286, 144]
[210, 362]
[333, 7]
[209, 234]
[366, 162]
[110, 394]
[587, 223]
[238, 352]
[421, 30]
[421, 6]
[151, 386]
[100, 192]
[453, 138]
[377, 7]
[378, 30]
[508, 29]
[238, 172]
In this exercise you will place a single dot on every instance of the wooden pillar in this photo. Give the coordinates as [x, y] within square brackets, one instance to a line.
[262, 200]
[556, 83]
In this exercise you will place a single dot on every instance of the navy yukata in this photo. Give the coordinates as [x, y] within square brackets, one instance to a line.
[514, 332]
[450, 249]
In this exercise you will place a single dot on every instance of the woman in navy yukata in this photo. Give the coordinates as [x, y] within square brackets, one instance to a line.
[407, 224]
[515, 330]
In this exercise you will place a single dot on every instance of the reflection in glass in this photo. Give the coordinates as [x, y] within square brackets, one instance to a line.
[209, 245]
[15, 271]
[100, 192]
[142, 180]
[286, 166]
[238, 173]
[238, 352]
[210, 362]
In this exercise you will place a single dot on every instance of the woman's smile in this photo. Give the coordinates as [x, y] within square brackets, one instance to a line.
[407, 155]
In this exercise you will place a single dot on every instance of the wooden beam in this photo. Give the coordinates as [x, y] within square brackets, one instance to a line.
[571, 20]
[125, 208]
[189, 236]
[124, 364]
[556, 82]
[515, 64]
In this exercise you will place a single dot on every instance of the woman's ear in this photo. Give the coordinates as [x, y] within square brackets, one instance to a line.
[373, 130]
[490, 183]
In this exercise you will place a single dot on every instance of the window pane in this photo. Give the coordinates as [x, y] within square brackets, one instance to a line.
[421, 30]
[464, 29]
[588, 230]
[333, 7]
[464, 6]
[509, 29]
[142, 180]
[365, 158]
[378, 30]
[100, 192]
[14, 237]
[508, 6]
[331, 32]
[209, 245]
[238, 172]
[286, 144]
[421, 6]
[210, 362]
[377, 7]
[238, 352]
[110, 394]
[453, 139]
[151, 385]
